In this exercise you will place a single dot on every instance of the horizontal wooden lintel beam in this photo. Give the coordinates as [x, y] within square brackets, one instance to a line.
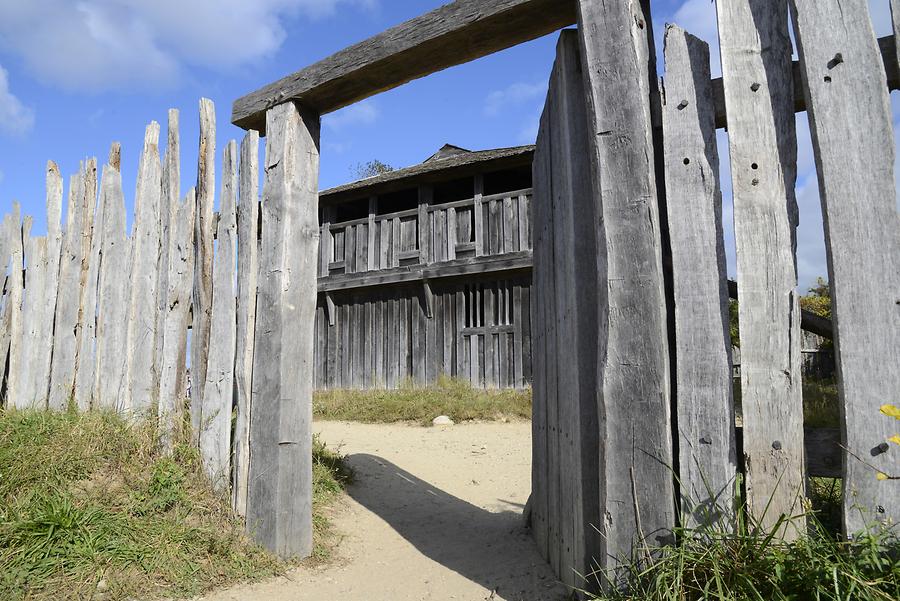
[495, 264]
[453, 34]
[891, 68]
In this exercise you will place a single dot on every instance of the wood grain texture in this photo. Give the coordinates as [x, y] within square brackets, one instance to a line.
[635, 413]
[87, 328]
[248, 271]
[705, 406]
[169, 205]
[41, 289]
[112, 298]
[17, 231]
[65, 339]
[566, 502]
[10, 237]
[180, 284]
[218, 393]
[204, 234]
[140, 340]
[453, 34]
[759, 91]
[279, 504]
[853, 142]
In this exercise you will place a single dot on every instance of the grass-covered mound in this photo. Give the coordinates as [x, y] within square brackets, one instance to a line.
[89, 509]
[455, 398]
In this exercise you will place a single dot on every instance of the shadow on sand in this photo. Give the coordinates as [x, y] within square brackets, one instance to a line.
[493, 549]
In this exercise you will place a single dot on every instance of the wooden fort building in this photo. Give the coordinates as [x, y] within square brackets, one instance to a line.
[426, 272]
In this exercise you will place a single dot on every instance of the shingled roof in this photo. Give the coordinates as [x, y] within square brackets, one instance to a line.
[448, 162]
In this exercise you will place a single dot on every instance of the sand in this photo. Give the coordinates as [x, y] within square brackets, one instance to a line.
[433, 513]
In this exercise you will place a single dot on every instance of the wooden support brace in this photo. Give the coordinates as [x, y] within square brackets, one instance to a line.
[332, 311]
[429, 299]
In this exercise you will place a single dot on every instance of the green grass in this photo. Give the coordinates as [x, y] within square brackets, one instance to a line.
[88, 498]
[748, 565]
[454, 398]
[821, 406]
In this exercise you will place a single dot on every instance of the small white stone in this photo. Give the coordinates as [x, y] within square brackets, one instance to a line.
[102, 587]
[442, 420]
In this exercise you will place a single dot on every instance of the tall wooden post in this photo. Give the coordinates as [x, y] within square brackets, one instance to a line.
[279, 507]
[854, 149]
[759, 93]
[636, 485]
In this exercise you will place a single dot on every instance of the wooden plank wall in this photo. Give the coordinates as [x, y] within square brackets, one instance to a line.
[566, 505]
[383, 338]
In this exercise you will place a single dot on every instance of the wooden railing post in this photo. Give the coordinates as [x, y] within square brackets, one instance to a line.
[479, 216]
[426, 194]
[279, 507]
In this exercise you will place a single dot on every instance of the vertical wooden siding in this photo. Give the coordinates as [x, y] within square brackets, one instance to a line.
[383, 337]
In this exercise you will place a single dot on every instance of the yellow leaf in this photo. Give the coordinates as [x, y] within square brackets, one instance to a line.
[895, 439]
[882, 476]
[891, 411]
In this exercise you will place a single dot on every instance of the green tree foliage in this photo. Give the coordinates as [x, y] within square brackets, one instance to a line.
[817, 301]
[370, 169]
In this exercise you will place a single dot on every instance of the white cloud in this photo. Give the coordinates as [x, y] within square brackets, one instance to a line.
[98, 45]
[15, 117]
[517, 93]
[361, 113]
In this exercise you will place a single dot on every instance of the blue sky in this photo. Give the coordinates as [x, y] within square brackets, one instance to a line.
[76, 75]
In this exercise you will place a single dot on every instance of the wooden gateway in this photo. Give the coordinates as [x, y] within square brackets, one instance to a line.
[426, 272]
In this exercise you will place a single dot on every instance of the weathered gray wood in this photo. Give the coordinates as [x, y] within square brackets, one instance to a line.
[450, 35]
[853, 143]
[616, 42]
[218, 394]
[895, 20]
[279, 504]
[179, 287]
[10, 237]
[248, 270]
[204, 233]
[140, 341]
[34, 373]
[112, 298]
[41, 286]
[479, 215]
[567, 501]
[18, 231]
[87, 323]
[705, 409]
[169, 205]
[510, 264]
[756, 66]
[74, 257]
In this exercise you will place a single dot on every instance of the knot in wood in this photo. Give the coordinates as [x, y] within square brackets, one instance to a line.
[754, 86]
[776, 445]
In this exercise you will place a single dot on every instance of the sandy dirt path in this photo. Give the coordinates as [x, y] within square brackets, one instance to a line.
[434, 513]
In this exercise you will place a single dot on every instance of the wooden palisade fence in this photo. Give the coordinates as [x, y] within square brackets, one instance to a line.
[98, 318]
[633, 413]
[601, 386]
